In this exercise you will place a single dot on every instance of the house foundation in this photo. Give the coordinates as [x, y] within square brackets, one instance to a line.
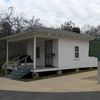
[59, 72]
[91, 68]
[77, 70]
[35, 75]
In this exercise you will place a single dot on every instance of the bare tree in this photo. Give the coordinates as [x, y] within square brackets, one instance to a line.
[32, 23]
[11, 24]
[68, 26]
[90, 30]
[6, 22]
[18, 25]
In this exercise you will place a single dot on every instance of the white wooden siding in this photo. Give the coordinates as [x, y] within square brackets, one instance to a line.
[67, 60]
[41, 43]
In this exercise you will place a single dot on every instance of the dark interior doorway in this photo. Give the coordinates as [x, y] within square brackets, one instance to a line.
[48, 53]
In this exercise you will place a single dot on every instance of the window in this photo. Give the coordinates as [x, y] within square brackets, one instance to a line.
[37, 52]
[76, 51]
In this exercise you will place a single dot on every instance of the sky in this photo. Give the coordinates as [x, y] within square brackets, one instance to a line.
[54, 12]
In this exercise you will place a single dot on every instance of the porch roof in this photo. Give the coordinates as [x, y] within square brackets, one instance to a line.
[47, 32]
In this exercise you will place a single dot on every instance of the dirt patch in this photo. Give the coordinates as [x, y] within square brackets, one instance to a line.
[90, 78]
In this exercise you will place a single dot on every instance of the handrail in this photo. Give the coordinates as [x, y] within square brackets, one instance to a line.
[10, 61]
[14, 60]
[22, 59]
[15, 65]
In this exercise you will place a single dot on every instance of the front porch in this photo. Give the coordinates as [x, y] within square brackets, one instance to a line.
[42, 51]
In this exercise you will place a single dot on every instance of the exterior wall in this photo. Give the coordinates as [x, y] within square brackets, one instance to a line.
[55, 51]
[30, 48]
[64, 53]
[41, 61]
[41, 43]
[67, 60]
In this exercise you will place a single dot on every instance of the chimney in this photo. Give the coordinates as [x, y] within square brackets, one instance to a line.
[76, 29]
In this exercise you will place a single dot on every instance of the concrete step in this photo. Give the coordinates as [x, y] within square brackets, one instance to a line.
[18, 74]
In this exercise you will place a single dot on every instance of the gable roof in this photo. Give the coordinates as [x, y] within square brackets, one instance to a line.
[50, 31]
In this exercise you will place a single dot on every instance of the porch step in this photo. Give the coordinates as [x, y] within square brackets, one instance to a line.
[18, 74]
[23, 67]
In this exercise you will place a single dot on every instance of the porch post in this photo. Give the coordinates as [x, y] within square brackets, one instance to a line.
[34, 57]
[98, 76]
[6, 58]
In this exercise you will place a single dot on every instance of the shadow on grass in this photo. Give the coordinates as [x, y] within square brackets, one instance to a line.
[17, 95]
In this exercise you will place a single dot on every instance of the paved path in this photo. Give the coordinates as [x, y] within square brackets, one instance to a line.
[70, 83]
[16, 95]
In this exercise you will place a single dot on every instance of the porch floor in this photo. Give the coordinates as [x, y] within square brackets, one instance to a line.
[45, 69]
[38, 69]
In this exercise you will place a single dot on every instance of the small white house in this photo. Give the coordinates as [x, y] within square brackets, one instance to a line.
[54, 49]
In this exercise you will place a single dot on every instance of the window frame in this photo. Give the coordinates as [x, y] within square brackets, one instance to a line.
[76, 50]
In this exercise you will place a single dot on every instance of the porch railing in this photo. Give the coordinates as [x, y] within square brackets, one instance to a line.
[11, 61]
[14, 63]
[18, 62]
